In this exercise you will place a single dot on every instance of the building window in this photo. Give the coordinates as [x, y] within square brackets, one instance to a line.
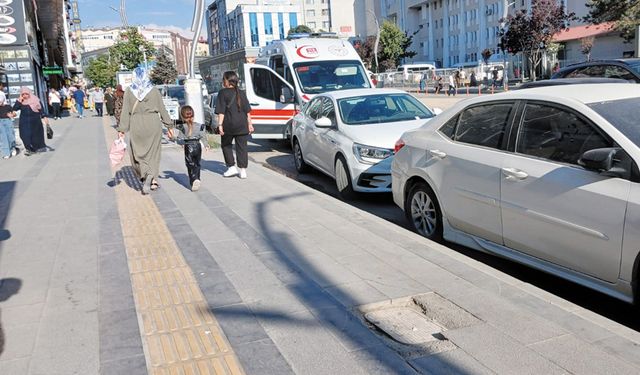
[312, 25]
[309, 2]
[253, 25]
[325, 12]
[268, 24]
[293, 20]
[326, 25]
[281, 25]
[311, 13]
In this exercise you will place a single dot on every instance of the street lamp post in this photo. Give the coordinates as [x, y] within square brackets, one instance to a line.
[376, 44]
[505, 13]
[193, 85]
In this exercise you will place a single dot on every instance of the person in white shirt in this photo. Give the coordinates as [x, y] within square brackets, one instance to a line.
[55, 102]
[98, 100]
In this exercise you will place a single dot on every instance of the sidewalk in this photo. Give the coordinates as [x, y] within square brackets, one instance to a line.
[99, 279]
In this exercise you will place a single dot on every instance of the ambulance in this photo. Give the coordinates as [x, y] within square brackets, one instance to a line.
[288, 73]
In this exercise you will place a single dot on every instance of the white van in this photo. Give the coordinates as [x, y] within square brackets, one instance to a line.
[408, 69]
[289, 73]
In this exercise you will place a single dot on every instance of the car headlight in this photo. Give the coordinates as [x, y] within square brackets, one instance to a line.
[369, 154]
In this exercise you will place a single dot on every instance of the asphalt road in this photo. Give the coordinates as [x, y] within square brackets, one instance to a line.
[277, 156]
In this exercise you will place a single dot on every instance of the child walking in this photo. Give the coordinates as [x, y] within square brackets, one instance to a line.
[190, 137]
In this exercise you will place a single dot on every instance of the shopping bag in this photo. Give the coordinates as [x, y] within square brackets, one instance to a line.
[116, 153]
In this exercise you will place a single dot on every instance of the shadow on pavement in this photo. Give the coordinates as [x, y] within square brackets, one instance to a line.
[8, 288]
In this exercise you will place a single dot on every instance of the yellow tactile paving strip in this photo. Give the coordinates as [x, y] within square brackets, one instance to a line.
[180, 334]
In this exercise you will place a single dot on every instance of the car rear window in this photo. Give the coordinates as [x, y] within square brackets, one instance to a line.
[624, 114]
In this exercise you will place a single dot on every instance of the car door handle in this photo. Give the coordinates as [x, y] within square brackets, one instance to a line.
[514, 174]
[255, 104]
[437, 153]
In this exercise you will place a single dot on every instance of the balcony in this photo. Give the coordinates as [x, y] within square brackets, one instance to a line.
[51, 19]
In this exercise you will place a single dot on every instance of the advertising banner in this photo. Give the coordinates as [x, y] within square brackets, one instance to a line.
[12, 23]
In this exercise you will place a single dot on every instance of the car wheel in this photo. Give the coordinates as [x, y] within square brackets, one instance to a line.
[423, 211]
[298, 159]
[343, 179]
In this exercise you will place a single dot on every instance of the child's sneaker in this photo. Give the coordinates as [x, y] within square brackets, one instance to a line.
[243, 173]
[196, 185]
[14, 151]
[231, 172]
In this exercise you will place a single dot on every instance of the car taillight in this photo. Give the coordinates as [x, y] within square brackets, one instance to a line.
[398, 146]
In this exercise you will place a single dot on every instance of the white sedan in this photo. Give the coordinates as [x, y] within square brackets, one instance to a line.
[545, 176]
[350, 135]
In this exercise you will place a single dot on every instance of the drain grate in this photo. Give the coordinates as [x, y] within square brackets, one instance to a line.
[405, 325]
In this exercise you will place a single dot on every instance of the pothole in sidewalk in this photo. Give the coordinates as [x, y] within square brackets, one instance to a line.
[417, 326]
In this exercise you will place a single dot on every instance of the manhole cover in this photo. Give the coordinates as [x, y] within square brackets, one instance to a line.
[405, 325]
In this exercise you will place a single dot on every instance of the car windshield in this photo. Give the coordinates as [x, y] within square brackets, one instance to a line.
[635, 65]
[321, 76]
[382, 108]
[623, 114]
[176, 92]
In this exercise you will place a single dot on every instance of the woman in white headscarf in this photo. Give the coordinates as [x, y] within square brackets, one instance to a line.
[143, 114]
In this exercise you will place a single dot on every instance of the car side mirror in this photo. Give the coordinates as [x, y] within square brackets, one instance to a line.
[603, 160]
[286, 96]
[323, 122]
[436, 111]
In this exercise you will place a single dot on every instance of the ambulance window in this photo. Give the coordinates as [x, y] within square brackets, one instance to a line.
[288, 76]
[277, 65]
[263, 83]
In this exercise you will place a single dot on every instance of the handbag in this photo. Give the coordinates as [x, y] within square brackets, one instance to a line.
[49, 132]
[117, 151]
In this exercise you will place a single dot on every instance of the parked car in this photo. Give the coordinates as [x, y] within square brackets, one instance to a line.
[177, 93]
[350, 135]
[627, 69]
[546, 176]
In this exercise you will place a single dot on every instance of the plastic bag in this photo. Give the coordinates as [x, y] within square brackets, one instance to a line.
[116, 153]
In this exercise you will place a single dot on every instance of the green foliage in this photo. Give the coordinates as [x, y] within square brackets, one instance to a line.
[625, 15]
[394, 45]
[165, 71]
[102, 71]
[130, 48]
[531, 33]
[300, 29]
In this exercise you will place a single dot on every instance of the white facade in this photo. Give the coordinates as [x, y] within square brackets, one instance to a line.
[93, 39]
[449, 32]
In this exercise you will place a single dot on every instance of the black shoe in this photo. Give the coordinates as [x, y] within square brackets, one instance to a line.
[27, 153]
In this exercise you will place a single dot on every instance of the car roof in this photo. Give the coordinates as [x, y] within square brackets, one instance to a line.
[341, 94]
[570, 81]
[585, 93]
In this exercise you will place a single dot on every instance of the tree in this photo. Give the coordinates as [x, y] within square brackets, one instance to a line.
[367, 53]
[394, 45]
[586, 44]
[300, 29]
[165, 71]
[531, 33]
[130, 49]
[625, 15]
[102, 71]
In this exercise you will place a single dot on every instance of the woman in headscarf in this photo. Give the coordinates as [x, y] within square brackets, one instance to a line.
[31, 119]
[143, 114]
[109, 101]
[117, 106]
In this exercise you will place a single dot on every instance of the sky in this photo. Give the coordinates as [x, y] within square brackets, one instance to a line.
[175, 15]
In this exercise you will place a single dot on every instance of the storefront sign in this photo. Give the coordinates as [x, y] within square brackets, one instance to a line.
[12, 23]
[52, 70]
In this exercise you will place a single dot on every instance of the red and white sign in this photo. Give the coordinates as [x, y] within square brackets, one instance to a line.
[345, 29]
[308, 52]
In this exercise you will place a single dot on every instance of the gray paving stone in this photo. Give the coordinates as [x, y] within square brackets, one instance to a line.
[253, 279]
[314, 297]
[19, 341]
[217, 289]
[455, 362]
[16, 366]
[234, 256]
[21, 315]
[285, 270]
[239, 324]
[380, 360]
[351, 332]
[276, 299]
[262, 358]
[510, 319]
[621, 348]
[571, 352]
[499, 352]
[131, 366]
[324, 270]
[119, 335]
[356, 293]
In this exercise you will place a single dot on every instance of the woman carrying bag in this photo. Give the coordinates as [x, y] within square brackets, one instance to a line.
[233, 110]
[31, 121]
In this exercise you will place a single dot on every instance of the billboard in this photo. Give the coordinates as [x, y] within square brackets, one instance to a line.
[12, 23]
